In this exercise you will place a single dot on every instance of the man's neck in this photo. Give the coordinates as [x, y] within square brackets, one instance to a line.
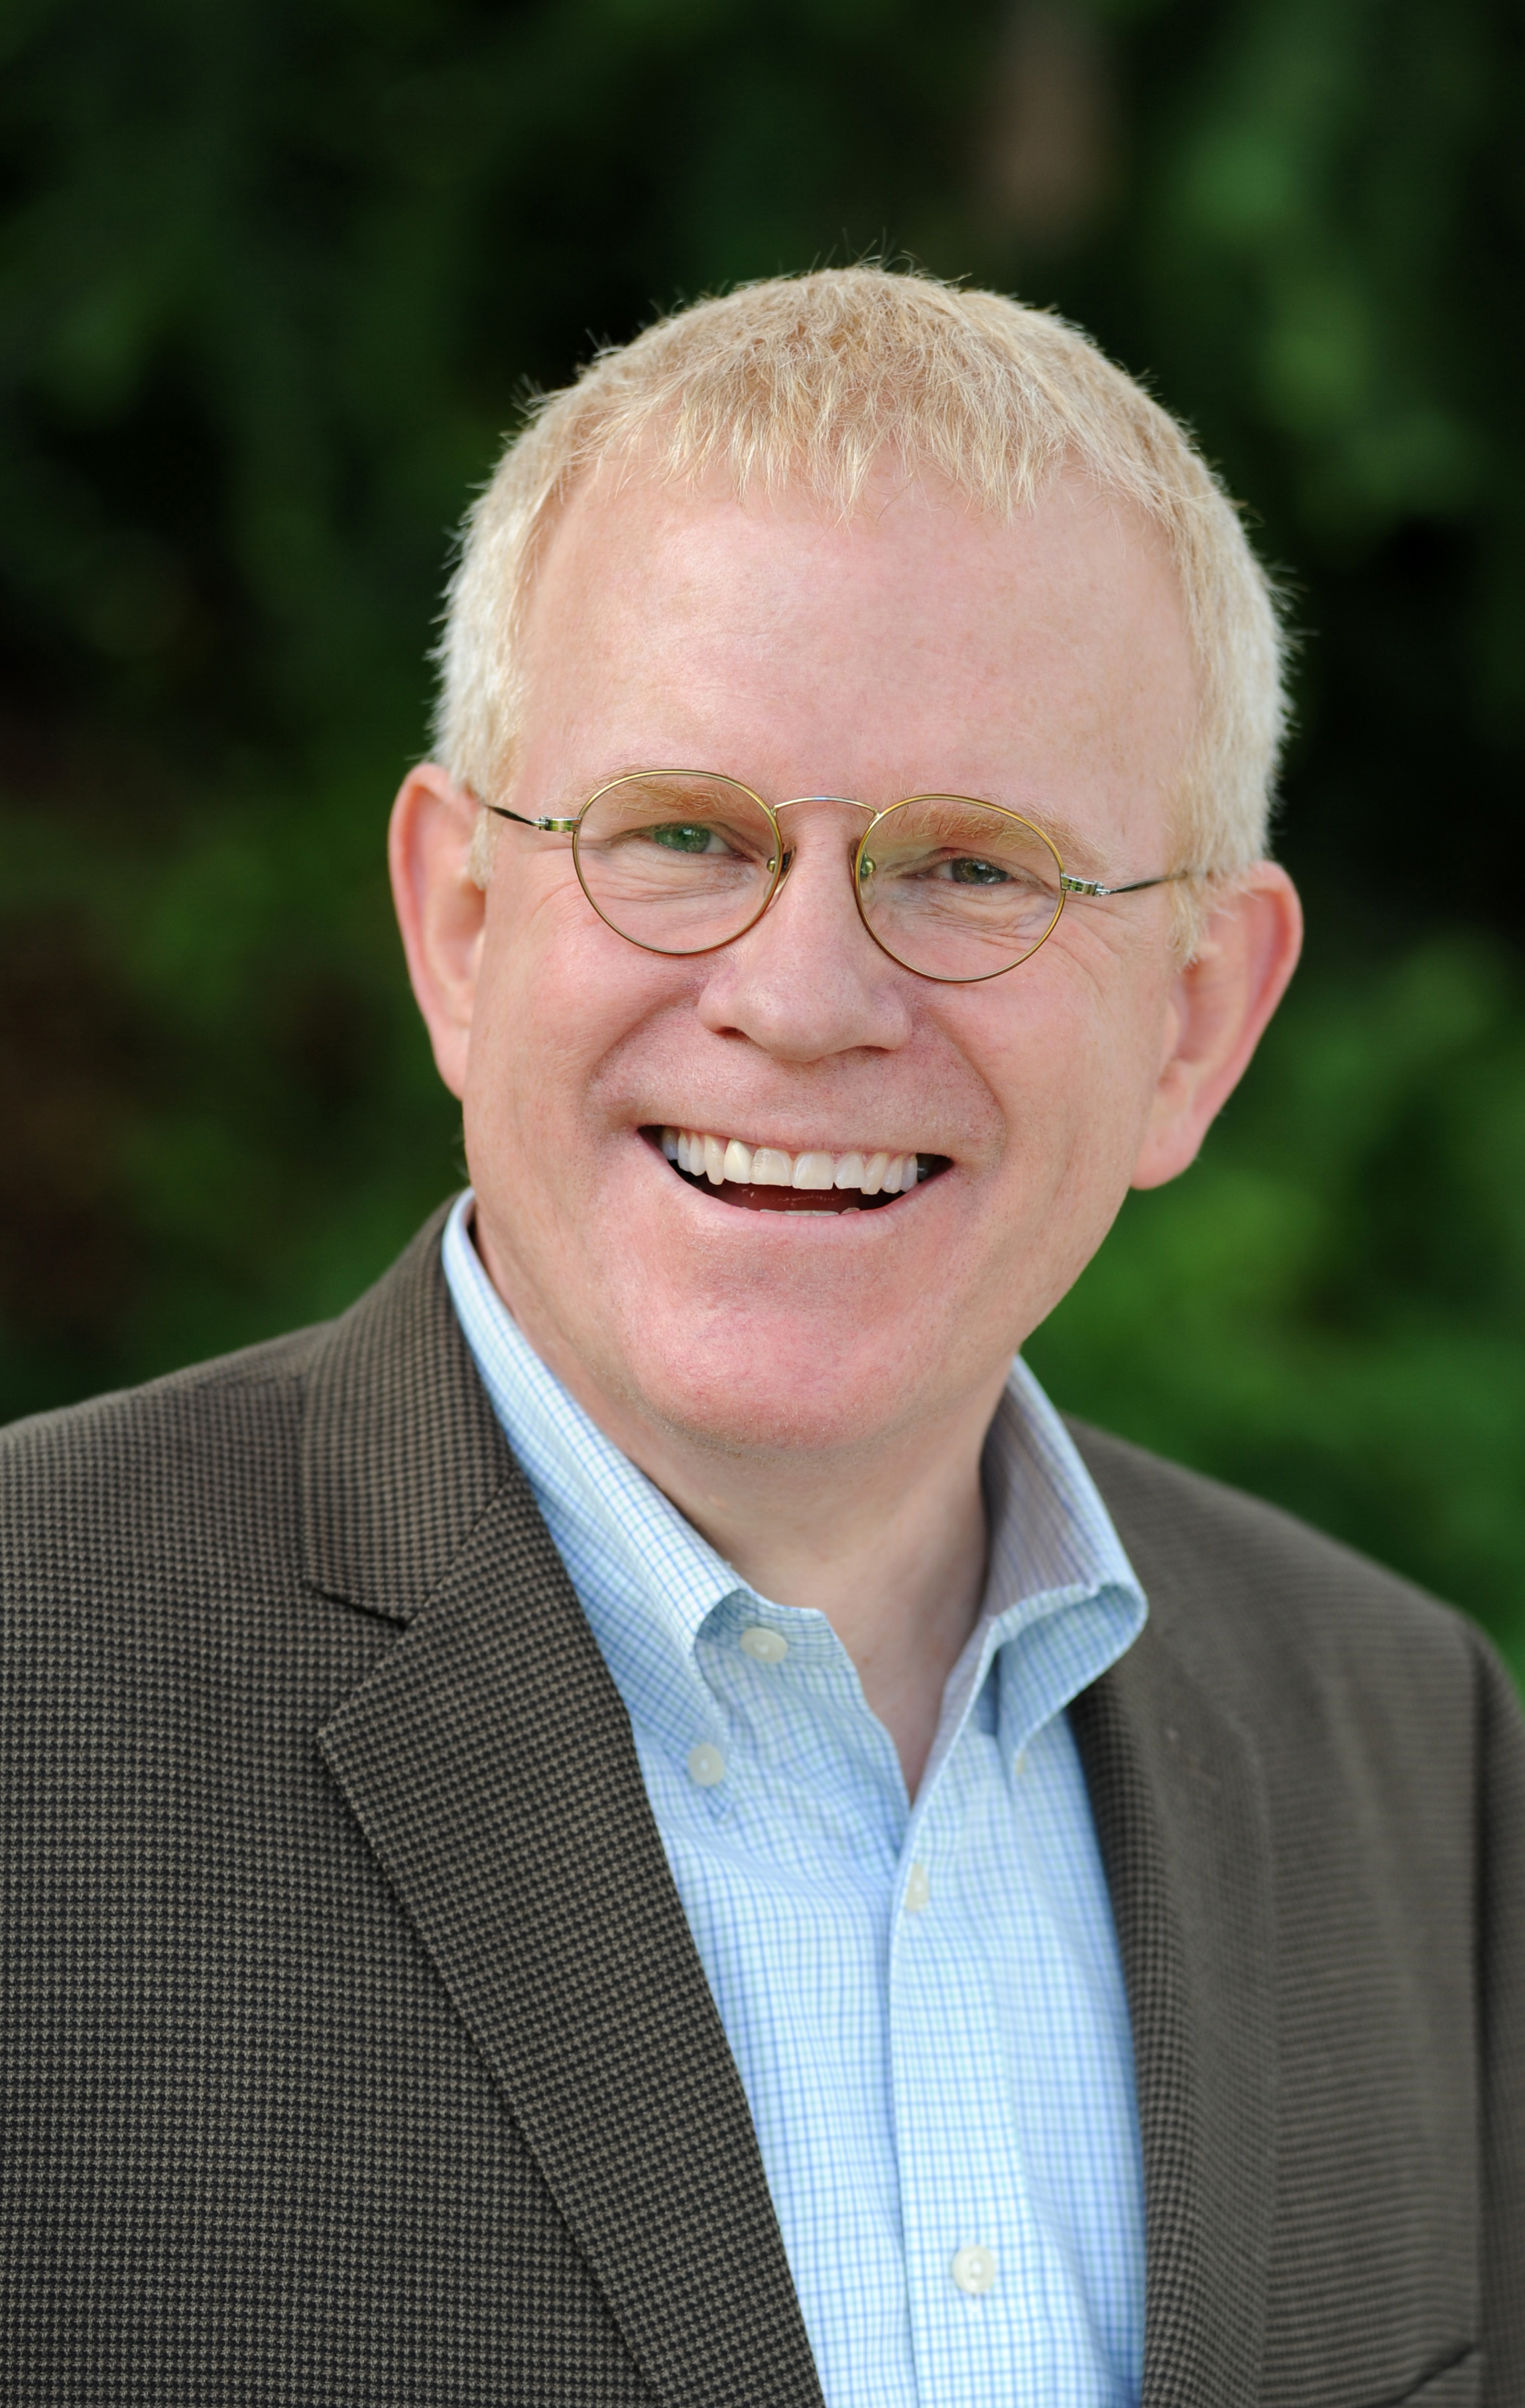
[892, 1552]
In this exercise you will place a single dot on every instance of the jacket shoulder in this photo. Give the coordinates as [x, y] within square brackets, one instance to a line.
[101, 1485]
[126, 1419]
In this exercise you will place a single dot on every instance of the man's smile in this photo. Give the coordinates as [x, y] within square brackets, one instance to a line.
[768, 1179]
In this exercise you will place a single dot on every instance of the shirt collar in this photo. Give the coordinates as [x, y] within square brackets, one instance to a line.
[1061, 1600]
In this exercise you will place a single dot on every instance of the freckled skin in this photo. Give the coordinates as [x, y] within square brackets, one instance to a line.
[791, 1380]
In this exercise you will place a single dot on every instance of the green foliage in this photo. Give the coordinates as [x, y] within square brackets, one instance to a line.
[272, 282]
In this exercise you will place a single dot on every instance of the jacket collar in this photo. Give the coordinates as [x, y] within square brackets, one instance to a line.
[490, 1763]
[400, 1453]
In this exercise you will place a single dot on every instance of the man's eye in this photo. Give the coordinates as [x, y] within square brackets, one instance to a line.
[967, 872]
[683, 836]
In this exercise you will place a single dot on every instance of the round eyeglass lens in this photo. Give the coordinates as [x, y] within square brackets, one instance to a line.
[678, 860]
[956, 889]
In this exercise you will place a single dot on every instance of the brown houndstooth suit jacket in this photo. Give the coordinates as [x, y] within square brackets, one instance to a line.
[355, 2049]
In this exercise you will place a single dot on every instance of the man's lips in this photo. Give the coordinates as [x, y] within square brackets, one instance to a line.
[766, 1178]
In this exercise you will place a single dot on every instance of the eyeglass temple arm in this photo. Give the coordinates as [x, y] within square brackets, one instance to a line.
[550, 827]
[1089, 886]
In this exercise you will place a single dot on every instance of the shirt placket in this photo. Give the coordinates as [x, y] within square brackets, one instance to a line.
[986, 2297]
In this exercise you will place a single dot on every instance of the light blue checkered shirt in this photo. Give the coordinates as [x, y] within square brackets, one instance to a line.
[926, 2003]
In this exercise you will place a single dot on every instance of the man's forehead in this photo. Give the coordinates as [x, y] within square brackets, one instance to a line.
[915, 566]
[919, 614]
[637, 501]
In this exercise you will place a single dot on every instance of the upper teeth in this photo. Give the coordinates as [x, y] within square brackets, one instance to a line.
[719, 1159]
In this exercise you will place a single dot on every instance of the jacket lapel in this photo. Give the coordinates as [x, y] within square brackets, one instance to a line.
[1178, 1796]
[490, 1763]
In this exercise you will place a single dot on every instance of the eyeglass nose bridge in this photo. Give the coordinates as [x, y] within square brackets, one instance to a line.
[789, 803]
[787, 852]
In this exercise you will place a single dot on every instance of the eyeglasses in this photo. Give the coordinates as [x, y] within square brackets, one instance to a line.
[683, 860]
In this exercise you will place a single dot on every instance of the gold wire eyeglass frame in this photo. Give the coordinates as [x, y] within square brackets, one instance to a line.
[782, 860]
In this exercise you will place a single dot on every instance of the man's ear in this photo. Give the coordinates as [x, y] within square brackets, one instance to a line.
[440, 910]
[1219, 1005]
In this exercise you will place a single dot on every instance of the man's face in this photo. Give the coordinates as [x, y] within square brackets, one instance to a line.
[1043, 666]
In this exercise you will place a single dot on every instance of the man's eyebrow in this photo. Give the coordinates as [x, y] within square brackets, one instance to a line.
[1075, 850]
[571, 799]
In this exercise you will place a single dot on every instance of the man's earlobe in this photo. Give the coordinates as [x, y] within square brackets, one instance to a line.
[442, 907]
[1221, 1005]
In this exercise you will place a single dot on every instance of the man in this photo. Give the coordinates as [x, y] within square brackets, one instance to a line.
[637, 1819]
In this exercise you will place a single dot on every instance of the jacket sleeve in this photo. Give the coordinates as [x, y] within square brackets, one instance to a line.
[1501, 2009]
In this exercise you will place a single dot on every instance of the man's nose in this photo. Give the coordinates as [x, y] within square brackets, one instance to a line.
[808, 981]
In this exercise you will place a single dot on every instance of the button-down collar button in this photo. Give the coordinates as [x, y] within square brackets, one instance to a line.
[918, 1890]
[763, 1646]
[974, 2270]
[706, 1765]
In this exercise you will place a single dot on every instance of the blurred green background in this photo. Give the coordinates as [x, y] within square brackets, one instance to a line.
[275, 277]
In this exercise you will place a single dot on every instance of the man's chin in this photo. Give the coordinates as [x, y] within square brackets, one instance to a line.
[769, 1420]
[737, 1330]
[792, 1381]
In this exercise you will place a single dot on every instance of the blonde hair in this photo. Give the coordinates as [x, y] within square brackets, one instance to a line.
[807, 382]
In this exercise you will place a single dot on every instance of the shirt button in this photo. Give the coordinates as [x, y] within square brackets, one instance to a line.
[974, 2270]
[706, 1765]
[918, 1890]
[764, 1646]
